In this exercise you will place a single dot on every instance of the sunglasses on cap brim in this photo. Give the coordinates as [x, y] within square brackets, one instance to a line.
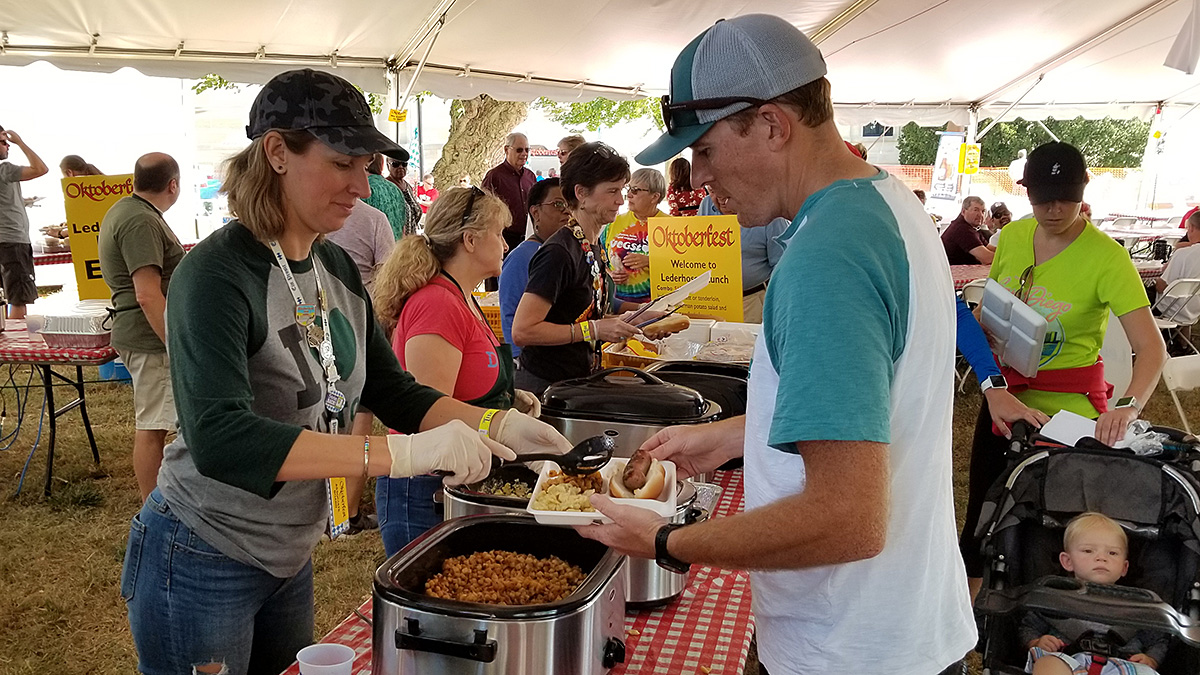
[669, 109]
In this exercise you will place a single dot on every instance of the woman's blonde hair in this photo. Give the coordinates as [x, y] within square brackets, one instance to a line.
[418, 258]
[255, 189]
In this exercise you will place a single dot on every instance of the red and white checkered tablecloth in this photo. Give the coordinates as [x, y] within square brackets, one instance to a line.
[18, 346]
[964, 274]
[708, 626]
[65, 258]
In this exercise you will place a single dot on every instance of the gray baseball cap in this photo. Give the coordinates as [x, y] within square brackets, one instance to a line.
[733, 65]
[325, 105]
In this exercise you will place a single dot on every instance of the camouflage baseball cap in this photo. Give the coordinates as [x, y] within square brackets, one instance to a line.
[325, 105]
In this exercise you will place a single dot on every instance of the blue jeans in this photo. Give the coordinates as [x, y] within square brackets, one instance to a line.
[191, 605]
[406, 509]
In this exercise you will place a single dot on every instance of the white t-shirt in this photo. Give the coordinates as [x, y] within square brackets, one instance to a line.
[858, 345]
[1185, 264]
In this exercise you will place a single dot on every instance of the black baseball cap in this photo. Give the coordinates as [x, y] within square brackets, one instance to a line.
[326, 106]
[1055, 172]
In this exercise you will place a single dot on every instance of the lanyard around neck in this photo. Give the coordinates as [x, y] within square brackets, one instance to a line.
[319, 337]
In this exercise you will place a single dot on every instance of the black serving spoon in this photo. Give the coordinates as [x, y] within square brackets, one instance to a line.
[588, 456]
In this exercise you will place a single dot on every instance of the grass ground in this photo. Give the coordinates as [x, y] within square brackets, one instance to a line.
[60, 560]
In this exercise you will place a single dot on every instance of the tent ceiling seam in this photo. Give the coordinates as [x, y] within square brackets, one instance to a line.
[179, 53]
[527, 77]
[1062, 57]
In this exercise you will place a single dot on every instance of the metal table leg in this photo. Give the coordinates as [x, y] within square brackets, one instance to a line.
[48, 384]
[48, 376]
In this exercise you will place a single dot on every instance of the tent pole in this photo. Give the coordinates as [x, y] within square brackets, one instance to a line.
[972, 126]
[1047, 130]
[997, 118]
[420, 141]
[839, 22]
[421, 66]
[395, 82]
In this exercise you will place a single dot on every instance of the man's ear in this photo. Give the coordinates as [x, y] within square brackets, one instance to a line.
[1064, 559]
[778, 123]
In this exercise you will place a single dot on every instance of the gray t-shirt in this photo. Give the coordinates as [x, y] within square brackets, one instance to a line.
[14, 223]
[367, 237]
[246, 383]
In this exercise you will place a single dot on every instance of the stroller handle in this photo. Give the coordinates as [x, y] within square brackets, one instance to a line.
[1021, 437]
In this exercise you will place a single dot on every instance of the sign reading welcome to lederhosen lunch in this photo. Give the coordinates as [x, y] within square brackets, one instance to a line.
[88, 198]
[682, 249]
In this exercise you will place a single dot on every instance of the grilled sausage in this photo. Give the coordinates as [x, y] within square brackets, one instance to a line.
[634, 476]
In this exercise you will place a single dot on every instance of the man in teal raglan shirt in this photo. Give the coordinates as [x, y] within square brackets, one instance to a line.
[849, 523]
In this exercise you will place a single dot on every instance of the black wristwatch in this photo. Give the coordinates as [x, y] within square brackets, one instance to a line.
[664, 559]
[1128, 402]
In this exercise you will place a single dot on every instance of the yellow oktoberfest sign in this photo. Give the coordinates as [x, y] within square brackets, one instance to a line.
[682, 249]
[88, 198]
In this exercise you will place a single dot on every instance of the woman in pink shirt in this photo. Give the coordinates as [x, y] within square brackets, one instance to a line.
[423, 299]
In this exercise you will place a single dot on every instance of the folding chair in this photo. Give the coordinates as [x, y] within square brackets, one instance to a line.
[1174, 221]
[1182, 373]
[972, 292]
[1122, 223]
[1178, 306]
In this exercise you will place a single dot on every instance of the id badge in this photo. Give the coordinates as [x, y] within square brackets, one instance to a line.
[339, 507]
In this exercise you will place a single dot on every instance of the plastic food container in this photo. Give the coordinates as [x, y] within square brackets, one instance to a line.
[664, 505]
[732, 330]
[698, 330]
[86, 327]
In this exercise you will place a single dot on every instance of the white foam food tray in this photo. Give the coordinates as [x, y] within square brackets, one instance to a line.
[663, 506]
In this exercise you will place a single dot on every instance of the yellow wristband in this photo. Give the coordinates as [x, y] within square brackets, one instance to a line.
[586, 328]
[366, 456]
[485, 422]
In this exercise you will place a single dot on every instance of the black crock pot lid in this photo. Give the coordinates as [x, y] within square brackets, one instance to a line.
[605, 568]
[641, 397]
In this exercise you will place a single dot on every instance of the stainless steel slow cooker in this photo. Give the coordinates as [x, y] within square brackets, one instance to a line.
[632, 402]
[418, 634]
[646, 584]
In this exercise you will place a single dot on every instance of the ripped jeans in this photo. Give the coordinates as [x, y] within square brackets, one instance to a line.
[194, 610]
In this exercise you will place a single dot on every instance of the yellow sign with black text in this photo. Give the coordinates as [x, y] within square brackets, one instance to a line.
[682, 249]
[397, 115]
[88, 198]
[968, 158]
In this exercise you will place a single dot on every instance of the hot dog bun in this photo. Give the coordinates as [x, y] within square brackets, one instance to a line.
[656, 480]
[664, 327]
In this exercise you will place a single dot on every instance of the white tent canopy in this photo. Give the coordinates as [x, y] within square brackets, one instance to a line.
[889, 60]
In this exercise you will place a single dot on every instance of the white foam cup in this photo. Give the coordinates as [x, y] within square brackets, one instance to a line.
[325, 659]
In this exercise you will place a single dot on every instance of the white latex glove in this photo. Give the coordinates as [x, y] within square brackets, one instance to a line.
[527, 435]
[453, 447]
[527, 403]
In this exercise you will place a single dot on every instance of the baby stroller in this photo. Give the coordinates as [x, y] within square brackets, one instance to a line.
[1156, 499]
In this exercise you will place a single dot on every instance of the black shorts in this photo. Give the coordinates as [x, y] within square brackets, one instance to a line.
[16, 273]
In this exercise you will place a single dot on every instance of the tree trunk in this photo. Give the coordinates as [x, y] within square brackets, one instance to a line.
[477, 130]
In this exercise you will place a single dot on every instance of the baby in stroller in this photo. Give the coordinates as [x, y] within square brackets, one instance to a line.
[1154, 500]
[1096, 551]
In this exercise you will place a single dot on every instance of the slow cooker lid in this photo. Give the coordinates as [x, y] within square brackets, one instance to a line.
[641, 397]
